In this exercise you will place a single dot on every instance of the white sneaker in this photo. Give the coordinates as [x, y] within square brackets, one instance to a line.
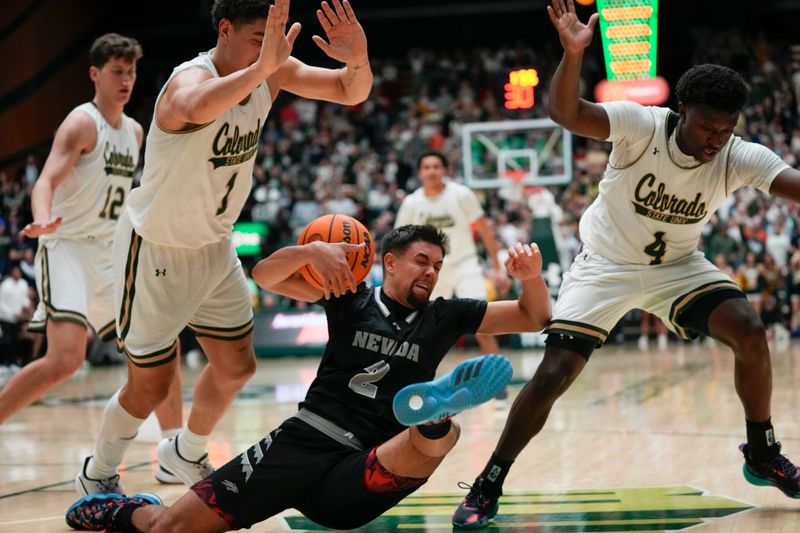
[188, 472]
[86, 485]
[662, 342]
[501, 400]
[166, 477]
[643, 342]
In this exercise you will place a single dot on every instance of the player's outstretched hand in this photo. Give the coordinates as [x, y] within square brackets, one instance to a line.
[574, 34]
[277, 45]
[346, 39]
[34, 229]
[524, 261]
[329, 260]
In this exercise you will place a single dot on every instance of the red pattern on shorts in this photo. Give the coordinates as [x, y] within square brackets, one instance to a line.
[379, 480]
[205, 489]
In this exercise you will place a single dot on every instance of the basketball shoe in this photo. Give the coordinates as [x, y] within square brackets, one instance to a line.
[86, 485]
[188, 472]
[478, 507]
[778, 472]
[96, 512]
[469, 384]
[166, 477]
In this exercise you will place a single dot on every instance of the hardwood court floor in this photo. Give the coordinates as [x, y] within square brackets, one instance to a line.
[642, 441]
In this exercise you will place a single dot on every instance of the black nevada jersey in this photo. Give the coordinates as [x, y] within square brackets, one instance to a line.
[372, 353]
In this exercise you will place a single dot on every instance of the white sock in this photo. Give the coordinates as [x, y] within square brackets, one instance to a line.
[191, 446]
[117, 430]
[169, 433]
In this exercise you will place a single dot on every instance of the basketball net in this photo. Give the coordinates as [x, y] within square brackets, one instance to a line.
[513, 188]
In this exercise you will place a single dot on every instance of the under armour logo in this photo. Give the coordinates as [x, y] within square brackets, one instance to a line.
[161, 272]
[656, 150]
[231, 486]
[493, 473]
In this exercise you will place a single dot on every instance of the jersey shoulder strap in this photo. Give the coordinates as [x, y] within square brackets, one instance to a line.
[672, 122]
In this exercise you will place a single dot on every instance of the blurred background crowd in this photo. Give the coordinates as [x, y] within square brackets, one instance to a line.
[316, 158]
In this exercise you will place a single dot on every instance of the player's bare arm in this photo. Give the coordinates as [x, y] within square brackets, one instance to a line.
[347, 43]
[279, 272]
[787, 184]
[75, 136]
[566, 107]
[197, 97]
[531, 312]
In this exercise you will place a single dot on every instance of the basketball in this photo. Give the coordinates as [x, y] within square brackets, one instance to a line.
[339, 228]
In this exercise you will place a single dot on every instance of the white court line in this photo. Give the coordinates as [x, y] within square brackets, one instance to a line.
[32, 520]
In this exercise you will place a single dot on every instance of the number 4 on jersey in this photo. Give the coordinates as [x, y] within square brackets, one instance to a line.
[657, 248]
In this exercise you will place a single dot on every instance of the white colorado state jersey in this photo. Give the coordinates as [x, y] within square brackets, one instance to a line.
[654, 200]
[452, 211]
[92, 195]
[196, 182]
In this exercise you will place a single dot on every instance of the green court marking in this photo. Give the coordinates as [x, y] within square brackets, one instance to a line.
[603, 510]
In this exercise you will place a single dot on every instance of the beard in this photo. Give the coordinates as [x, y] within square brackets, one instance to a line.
[415, 301]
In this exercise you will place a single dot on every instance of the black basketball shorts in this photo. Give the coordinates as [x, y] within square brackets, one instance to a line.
[297, 466]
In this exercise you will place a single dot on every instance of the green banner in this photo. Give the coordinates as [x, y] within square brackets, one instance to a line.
[629, 29]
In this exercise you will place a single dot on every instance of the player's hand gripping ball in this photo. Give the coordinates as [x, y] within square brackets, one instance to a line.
[339, 228]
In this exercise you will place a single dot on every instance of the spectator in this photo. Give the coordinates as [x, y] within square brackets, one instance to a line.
[15, 308]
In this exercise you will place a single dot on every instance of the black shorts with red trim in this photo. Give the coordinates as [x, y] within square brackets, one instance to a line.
[297, 466]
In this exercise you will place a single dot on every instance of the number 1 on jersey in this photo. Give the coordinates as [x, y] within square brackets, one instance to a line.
[657, 248]
[224, 205]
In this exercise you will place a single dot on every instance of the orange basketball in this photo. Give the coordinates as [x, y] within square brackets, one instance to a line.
[339, 228]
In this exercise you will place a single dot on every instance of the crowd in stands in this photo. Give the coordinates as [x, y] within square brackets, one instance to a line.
[318, 158]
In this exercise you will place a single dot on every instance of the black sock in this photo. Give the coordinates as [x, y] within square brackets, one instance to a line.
[760, 440]
[439, 430]
[122, 520]
[494, 475]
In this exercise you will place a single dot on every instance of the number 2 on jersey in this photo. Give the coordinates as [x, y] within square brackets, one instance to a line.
[657, 248]
[111, 206]
[363, 383]
[224, 205]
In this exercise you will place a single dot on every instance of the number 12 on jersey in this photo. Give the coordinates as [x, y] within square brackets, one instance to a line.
[115, 197]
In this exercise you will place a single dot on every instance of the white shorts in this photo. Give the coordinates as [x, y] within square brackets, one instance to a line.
[596, 293]
[75, 282]
[462, 280]
[159, 290]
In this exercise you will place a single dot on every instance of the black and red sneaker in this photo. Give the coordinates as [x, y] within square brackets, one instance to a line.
[778, 472]
[478, 507]
[95, 512]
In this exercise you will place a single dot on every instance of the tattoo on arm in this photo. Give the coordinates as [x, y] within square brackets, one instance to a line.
[353, 71]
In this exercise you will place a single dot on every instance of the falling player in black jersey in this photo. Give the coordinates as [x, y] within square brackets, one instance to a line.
[344, 459]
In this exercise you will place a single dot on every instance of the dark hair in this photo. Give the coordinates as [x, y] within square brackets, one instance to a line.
[432, 153]
[238, 11]
[399, 239]
[114, 45]
[714, 86]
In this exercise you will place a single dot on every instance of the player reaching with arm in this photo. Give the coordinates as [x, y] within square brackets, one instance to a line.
[667, 174]
[372, 427]
[75, 203]
[175, 262]
[454, 208]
